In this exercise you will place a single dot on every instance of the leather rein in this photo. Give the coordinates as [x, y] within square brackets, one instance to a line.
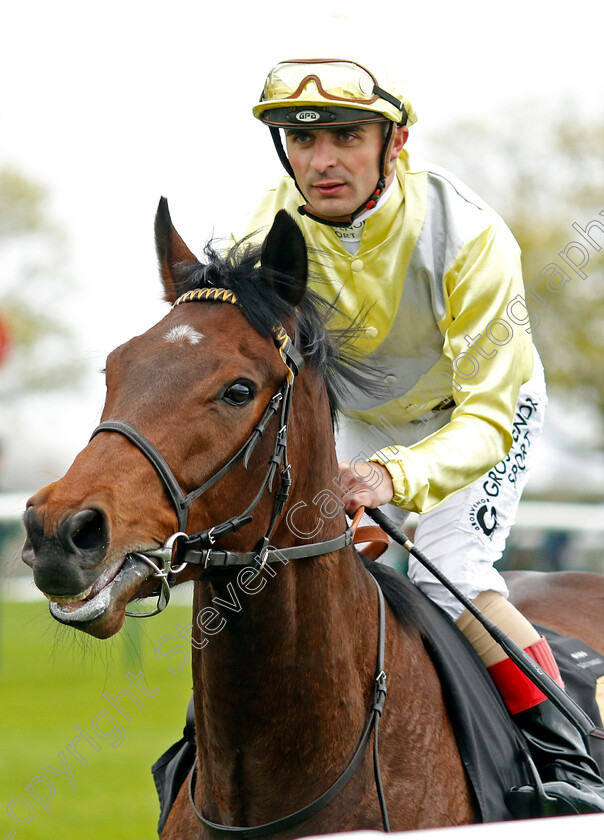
[182, 549]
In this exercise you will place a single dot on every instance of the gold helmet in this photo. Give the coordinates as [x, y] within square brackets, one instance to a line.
[328, 91]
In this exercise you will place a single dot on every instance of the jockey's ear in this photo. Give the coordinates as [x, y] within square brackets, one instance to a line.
[171, 251]
[284, 259]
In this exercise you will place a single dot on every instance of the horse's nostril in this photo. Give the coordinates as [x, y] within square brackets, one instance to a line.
[83, 531]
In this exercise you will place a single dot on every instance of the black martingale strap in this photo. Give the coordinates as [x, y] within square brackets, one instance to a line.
[375, 712]
[197, 549]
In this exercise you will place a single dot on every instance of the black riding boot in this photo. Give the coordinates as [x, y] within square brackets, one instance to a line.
[571, 779]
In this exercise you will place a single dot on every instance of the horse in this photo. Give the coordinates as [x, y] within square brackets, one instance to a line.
[216, 450]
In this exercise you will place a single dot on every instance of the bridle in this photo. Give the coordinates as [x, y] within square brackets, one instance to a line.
[182, 549]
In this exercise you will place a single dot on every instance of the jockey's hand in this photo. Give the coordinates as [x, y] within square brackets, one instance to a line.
[364, 484]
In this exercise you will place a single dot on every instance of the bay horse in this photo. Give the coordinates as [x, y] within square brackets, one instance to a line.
[207, 449]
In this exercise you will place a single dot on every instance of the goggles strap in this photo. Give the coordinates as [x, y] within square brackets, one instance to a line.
[398, 103]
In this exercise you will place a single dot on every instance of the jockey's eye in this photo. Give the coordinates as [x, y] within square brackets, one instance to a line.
[238, 393]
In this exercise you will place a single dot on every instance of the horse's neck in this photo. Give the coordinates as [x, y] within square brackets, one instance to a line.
[285, 677]
[283, 682]
[282, 679]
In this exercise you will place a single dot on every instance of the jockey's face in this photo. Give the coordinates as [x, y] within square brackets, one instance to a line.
[337, 168]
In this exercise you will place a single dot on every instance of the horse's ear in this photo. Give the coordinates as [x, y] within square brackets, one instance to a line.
[171, 251]
[284, 253]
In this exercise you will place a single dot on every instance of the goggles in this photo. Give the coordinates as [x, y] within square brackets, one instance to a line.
[324, 81]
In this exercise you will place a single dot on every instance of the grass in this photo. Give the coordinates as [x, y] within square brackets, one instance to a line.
[57, 684]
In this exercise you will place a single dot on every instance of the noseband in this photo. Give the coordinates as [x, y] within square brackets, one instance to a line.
[198, 549]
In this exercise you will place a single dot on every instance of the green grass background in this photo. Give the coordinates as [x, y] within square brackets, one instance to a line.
[52, 678]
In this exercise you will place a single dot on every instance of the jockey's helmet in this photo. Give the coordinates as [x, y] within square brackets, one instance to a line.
[321, 92]
[315, 93]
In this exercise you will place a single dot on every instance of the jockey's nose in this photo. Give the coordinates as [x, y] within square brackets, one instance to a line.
[324, 154]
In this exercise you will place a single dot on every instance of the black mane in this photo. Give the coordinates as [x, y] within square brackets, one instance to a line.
[329, 351]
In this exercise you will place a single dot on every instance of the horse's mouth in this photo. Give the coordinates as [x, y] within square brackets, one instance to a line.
[101, 609]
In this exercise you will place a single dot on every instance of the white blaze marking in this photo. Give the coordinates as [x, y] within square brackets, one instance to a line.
[182, 334]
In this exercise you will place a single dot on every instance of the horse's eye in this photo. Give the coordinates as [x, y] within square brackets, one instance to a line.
[238, 393]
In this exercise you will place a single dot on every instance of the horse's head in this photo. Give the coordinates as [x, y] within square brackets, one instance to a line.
[195, 385]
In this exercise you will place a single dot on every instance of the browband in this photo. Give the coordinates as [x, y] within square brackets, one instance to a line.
[289, 353]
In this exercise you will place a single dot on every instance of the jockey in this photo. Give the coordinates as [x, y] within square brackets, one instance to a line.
[437, 277]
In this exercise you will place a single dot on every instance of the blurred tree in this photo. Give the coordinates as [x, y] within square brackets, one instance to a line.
[33, 288]
[544, 172]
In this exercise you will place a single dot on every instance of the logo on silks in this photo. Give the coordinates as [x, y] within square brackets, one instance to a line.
[308, 116]
[483, 517]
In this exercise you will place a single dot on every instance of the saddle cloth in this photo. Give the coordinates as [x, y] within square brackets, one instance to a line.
[582, 669]
[489, 742]
[490, 745]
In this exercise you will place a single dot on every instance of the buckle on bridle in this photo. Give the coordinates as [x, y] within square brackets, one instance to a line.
[160, 560]
[261, 558]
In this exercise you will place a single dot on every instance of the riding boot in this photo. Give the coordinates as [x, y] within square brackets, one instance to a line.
[571, 779]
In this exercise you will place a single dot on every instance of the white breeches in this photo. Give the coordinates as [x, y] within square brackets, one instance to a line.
[466, 534]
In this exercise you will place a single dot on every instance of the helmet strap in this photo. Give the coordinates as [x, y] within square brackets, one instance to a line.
[368, 204]
[281, 152]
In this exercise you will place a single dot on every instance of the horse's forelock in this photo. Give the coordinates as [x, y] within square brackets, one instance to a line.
[330, 353]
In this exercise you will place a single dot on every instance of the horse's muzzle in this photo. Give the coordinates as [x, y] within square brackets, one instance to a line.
[65, 561]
